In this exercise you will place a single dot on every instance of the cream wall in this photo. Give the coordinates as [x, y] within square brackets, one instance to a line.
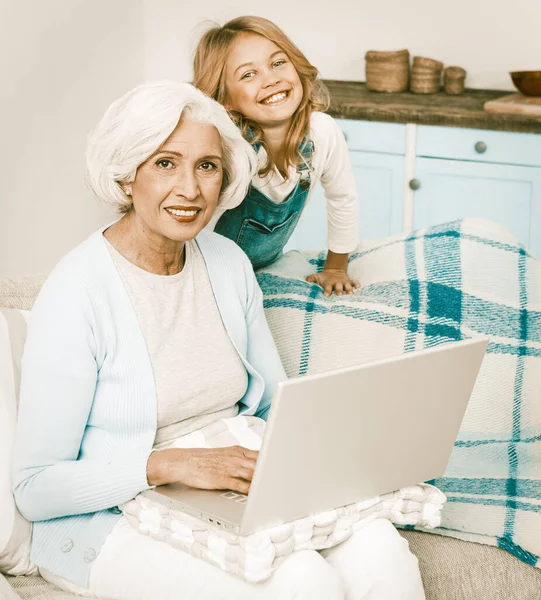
[63, 61]
[489, 38]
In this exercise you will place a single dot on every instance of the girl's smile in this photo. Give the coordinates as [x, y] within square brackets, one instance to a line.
[262, 83]
[276, 98]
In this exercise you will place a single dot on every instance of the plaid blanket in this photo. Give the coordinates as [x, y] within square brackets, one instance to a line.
[437, 285]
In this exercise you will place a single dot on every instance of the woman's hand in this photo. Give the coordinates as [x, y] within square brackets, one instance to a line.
[334, 280]
[230, 468]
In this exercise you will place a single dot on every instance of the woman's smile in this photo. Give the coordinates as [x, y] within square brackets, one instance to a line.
[183, 214]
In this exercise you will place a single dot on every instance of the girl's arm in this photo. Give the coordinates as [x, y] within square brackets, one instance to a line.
[334, 276]
[342, 205]
[59, 376]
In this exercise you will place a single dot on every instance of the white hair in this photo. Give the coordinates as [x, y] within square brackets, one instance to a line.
[138, 123]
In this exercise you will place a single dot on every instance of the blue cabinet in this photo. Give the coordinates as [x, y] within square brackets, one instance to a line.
[477, 173]
[377, 152]
[479, 145]
[455, 173]
[380, 185]
[508, 194]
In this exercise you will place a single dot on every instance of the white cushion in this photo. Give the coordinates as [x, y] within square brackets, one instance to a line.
[15, 531]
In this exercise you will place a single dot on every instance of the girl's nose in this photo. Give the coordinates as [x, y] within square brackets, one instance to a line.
[270, 79]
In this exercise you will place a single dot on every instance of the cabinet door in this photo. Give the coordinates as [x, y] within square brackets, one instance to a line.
[510, 195]
[379, 180]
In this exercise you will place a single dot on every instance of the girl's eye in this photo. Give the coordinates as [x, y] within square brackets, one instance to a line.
[164, 163]
[279, 63]
[248, 75]
[208, 166]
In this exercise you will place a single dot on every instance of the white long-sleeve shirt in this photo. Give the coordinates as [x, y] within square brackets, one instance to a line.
[332, 168]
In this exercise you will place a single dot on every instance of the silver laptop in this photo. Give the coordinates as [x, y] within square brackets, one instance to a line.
[343, 436]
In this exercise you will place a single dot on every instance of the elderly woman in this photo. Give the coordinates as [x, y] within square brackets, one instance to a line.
[150, 329]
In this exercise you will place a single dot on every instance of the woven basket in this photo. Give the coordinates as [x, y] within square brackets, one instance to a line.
[387, 71]
[394, 56]
[427, 63]
[454, 79]
[425, 75]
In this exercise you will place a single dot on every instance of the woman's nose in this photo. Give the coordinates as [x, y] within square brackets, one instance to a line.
[187, 186]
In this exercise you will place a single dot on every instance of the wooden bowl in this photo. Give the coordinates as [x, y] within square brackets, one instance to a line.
[527, 82]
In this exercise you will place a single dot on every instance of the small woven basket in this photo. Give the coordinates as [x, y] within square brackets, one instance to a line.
[427, 63]
[425, 75]
[387, 71]
[454, 79]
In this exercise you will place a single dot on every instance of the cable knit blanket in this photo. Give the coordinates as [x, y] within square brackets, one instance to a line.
[254, 557]
[437, 285]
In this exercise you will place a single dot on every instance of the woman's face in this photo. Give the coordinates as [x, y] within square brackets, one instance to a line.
[176, 190]
[261, 82]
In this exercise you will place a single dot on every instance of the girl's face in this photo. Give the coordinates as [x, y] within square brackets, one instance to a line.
[261, 82]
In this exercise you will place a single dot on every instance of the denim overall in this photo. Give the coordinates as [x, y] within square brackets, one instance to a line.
[262, 227]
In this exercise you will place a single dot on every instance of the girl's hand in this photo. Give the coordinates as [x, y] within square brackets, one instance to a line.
[334, 280]
[229, 468]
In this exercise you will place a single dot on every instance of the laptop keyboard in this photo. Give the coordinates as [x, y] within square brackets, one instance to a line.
[235, 496]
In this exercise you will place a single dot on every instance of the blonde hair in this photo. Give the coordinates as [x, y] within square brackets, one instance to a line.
[138, 123]
[209, 76]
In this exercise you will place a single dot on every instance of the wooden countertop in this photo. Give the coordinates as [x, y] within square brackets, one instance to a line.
[351, 100]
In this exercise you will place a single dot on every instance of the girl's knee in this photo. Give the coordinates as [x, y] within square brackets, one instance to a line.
[306, 575]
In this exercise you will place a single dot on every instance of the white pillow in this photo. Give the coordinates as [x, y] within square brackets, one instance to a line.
[15, 531]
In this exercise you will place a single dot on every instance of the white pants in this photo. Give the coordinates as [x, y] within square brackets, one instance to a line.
[374, 564]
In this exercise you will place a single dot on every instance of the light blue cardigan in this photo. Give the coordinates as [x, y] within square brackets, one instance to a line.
[87, 415]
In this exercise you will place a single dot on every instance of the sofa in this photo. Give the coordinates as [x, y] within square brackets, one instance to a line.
[451, 569]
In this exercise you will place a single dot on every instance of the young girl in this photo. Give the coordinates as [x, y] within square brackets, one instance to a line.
[272, 92]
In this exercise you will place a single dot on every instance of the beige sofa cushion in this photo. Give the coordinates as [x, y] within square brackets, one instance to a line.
[20, 292]
[456, 570]
[36, 588]
[6, 592]
[15, 531]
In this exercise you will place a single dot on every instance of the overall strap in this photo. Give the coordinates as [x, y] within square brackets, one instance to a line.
[306, 150]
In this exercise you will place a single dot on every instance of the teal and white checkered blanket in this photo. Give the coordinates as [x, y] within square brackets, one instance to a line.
[438, 285]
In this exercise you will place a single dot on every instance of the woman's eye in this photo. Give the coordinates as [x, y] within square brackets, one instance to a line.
[164, 163]
[248, 75]
[279, 63]
[208, 166]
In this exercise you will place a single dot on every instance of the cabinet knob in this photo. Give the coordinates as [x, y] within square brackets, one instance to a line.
[415, 184]
[480, 147]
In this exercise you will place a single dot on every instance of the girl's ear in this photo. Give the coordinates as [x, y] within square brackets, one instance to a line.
[227, 104]
[226, 101]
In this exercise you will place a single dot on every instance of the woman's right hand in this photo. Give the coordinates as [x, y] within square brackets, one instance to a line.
[230, 468]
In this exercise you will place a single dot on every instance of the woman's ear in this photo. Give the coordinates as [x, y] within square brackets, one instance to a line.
[127, 189]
